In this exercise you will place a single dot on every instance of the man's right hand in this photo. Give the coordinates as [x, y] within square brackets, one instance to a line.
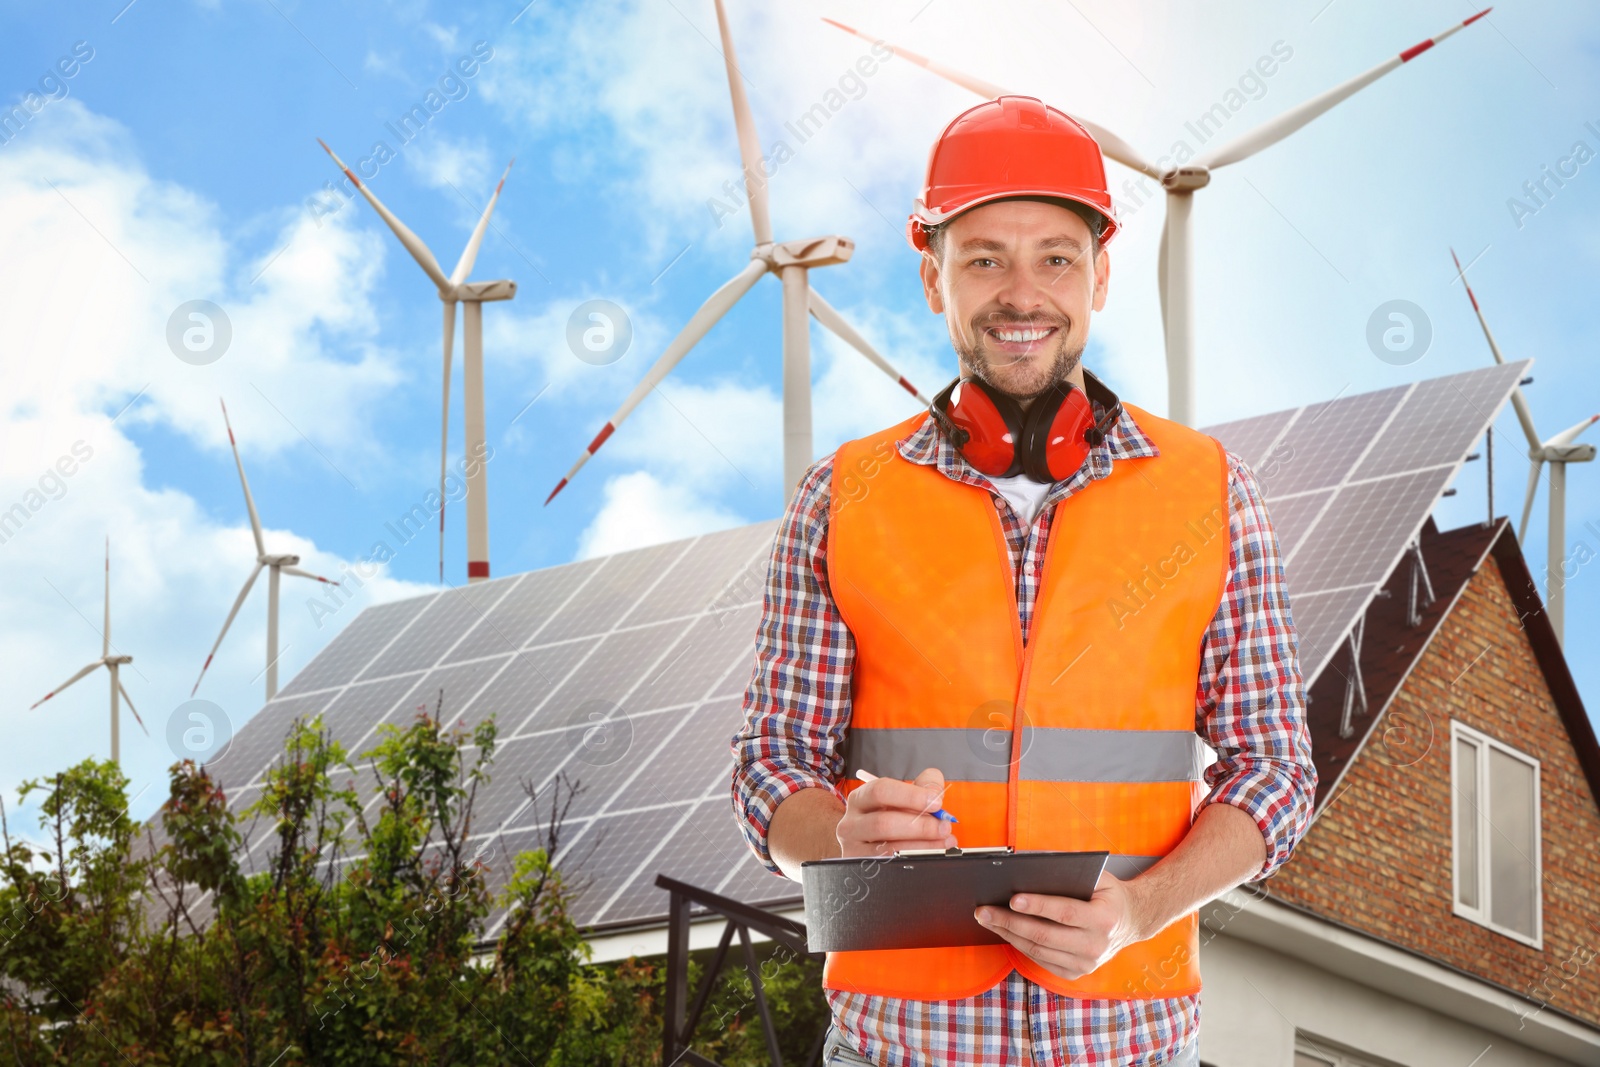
[887, 814]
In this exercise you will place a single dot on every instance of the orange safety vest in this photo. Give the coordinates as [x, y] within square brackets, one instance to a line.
[1084, 739]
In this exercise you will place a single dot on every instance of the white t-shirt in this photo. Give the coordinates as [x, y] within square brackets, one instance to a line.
[1026, 495]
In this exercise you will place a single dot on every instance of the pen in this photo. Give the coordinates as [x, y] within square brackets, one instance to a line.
[868, 776]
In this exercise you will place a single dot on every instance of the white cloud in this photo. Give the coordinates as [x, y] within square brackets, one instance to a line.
[384, 64]
[102, 255]
[852, 397]
[452, 165]
[640, 510]
[670, 122]
[93, 268]
[445, 38]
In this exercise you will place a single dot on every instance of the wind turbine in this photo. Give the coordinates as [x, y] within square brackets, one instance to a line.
[1175, 266]
[110, 663]
[790, 261]
[277, 565]
[1557, 451]
[452, 290]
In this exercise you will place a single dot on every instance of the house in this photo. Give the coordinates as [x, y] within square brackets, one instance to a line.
[1443, 906]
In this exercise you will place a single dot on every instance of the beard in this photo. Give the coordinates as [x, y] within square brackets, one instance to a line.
[1020, 378]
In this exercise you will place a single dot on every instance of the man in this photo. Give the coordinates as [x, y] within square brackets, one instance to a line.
[1035, 647]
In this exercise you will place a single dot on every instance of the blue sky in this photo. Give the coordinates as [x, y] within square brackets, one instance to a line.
[179, 162]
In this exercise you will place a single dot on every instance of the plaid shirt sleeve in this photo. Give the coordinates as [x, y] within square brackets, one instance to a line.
[1250, 699]
[797, 704]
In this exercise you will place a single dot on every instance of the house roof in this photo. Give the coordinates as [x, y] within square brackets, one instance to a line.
[1391, 649]
[1547, 650]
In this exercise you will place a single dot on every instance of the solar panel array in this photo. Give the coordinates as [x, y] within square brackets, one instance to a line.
[1349, 483]
[626, 672]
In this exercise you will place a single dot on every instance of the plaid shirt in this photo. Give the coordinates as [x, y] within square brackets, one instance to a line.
[1249, 706]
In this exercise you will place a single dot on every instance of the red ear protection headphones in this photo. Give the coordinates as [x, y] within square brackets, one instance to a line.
[1048, 442]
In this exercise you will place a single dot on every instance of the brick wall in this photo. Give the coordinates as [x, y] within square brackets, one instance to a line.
[1378, 858]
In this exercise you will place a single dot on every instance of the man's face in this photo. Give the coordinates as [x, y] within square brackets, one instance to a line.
[1016, 288]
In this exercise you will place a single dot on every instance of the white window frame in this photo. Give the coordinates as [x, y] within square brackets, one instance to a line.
[1480, 914]
[1328, 1051]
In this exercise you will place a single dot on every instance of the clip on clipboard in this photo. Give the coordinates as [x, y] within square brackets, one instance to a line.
[924, 898]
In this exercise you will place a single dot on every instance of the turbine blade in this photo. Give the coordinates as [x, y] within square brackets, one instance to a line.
[411, 241]
[755, 182]
[1571, 433]
[124, 690]
[1274, 130]
[1518, 401]
[444, 420]
[298, 573]
[826, 314]
[1111, 145]
[105, 634]
[238, 601]
[66, 683]
[469, 255]
[249, 501]
[703, 319]
[1527, 506]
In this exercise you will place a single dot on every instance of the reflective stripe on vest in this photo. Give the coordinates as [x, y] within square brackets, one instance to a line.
[1049, 754]
[1082, 740]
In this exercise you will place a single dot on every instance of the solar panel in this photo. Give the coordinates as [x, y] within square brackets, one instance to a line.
[1252, 439]
[607, 852]
[649, 639]
[526, 608]
[261, 739]
[703, 852]
[347, 654]
[626, 672]
[1349, 482]
[614, 587]
[518, 693]
[353, 712]
[693, 755]
[440, 621]
[1361, 531]
[1319, 446]
[612, 669]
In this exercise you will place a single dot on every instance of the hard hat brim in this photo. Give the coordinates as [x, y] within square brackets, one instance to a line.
[923, 217]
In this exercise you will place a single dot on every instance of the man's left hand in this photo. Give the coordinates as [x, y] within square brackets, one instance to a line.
[1067, 936]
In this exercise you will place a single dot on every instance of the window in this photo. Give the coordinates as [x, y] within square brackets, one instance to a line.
[1312, 1051]
[1495, 801]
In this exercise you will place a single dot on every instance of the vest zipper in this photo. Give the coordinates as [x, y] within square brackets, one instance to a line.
[1023, 655]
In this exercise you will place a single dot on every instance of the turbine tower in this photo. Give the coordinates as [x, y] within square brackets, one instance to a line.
[1557, 451]
[1175, 266]
[110, 663]
[453, 290]
[791, 261]
[279, 564]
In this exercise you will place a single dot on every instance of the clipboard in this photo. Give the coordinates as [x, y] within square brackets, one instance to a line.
[925, 898]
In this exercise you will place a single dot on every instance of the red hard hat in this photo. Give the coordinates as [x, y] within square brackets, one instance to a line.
[1010, 146]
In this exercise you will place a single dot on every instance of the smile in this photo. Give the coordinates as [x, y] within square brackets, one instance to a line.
[1036, 333]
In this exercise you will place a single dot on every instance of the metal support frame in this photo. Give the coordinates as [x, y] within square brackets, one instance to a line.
[1419, 583]
[1488, 448]
[1355, 687]
[681, 1015]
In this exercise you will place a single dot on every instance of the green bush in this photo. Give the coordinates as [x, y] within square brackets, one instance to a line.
[362, 942]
